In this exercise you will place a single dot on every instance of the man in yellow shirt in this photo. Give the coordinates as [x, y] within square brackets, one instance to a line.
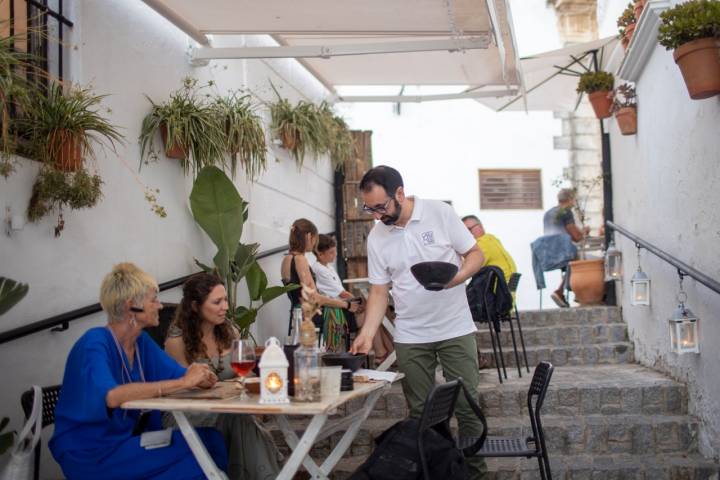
[495, 254]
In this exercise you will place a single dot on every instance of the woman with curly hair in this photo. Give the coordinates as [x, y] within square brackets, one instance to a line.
[201, 333]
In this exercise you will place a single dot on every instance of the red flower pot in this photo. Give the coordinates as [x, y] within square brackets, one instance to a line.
[626, 119]
[699, 62]
[601, 103]
[178, 152]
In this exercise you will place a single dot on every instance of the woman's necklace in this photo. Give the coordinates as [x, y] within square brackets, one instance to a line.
[216, 368]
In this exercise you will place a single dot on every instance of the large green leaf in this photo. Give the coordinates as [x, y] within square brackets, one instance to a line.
[220, 212]
[272, 293]
[256, 281]
[11, 292]
[244, 258]
[244, 317]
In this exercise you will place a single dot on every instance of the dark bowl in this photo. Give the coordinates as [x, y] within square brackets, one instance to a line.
[345, 360]
[434, 275]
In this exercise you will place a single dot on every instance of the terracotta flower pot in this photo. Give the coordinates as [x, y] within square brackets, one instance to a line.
[289, 140]
[638, 8]
[601, 103]
[699, 62]
[629, 30]
[587, 281]
[69, 157]
[627, 120]
[178, 152]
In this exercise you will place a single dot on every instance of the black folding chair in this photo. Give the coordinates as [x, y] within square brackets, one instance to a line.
[438, 409]
[50, 397]
[512, 286]
[533, 446]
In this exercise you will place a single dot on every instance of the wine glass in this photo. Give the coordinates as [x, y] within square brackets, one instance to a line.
[242, 360]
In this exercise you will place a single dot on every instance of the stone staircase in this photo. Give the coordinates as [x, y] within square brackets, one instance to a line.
[604, 417]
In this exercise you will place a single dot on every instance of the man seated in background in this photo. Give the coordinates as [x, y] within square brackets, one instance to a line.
[494, 252]
[560, 220]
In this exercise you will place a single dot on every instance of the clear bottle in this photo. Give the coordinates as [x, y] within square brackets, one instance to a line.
[297, 319]
[307, 365]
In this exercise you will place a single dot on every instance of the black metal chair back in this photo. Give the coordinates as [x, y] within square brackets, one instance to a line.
[50, 397]
[535, 398]
[514, 281]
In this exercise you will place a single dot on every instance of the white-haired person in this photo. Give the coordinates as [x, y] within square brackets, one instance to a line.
[114, 364]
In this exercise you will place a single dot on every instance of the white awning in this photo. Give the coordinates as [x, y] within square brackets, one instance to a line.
[550, 78]
[468, 43]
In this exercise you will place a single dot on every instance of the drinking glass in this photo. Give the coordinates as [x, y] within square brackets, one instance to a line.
[242, 360]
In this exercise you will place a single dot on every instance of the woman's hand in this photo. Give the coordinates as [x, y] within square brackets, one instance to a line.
[354, 306]
[362, 344]
[199, 375]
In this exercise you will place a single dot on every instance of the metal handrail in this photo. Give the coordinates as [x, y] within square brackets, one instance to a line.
[683, 268]
[59, 323]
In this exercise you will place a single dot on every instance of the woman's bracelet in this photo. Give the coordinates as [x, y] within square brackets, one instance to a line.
[347, 303]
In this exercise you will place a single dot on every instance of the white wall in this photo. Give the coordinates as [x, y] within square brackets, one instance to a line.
[438, 147]
[666, 190]
[123, 48]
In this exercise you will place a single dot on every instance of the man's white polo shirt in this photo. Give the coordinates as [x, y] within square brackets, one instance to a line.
[434, 233]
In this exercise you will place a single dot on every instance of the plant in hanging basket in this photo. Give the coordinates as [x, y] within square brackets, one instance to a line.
[341, 143]
[300, 128]
[598, 86]
[244, 134]
[692, 30]
[55, 189]
[63, 127]
[624, 107]
[190, 129]
[626, 24]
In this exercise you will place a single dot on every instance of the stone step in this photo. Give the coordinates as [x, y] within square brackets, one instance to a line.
[587, 390]
[583, 467]
[560, 355]
[556, 335]
[564, 435]
[570, 316]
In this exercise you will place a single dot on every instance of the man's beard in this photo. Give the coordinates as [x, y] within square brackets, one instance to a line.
[392, 219]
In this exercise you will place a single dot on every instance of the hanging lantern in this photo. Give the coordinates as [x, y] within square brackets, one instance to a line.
[640, 289]
[613, 263]
[684, 331]
[273, 374]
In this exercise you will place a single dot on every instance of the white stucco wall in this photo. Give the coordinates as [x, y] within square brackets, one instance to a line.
[125, 49]
[666, 190]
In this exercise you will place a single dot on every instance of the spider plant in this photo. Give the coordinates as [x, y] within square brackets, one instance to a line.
[244, 135]
[341, 145]
[300, 127]
[190, 128]
[62, 127]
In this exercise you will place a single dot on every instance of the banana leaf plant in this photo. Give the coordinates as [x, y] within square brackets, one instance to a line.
[220, 211]
[11, 292]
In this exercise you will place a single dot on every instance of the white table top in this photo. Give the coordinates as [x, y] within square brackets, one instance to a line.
[251, 405]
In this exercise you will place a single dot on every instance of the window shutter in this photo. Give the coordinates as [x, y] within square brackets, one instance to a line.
[511, 189]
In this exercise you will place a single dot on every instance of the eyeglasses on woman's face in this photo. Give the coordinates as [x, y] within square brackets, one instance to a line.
[381, 209]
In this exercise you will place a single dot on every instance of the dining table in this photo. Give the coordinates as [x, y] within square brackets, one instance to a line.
[225, 398]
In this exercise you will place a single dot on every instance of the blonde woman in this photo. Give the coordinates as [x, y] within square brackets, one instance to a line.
[114, 364]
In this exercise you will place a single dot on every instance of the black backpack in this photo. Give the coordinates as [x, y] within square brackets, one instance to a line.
[396, 455]
[488, 296]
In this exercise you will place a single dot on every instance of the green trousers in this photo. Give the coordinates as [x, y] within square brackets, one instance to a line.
[458, 358]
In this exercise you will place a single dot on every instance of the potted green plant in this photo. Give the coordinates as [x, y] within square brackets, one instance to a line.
[625, 108]
[597, 85]
[692, 31]
[188, 126]
[341, 145]
[244, 134]
[55, 189]
[220, 211]
[626, 24]
[63, 126]
[299, 127]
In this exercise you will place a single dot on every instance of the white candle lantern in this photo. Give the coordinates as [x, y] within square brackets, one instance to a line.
[273, 374]
[640, 289]
[613, 263]
[684, 331]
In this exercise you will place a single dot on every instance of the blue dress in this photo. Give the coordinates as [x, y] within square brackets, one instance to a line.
[94, 441]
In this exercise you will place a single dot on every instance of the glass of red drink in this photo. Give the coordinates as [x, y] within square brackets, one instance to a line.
[242, 361]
